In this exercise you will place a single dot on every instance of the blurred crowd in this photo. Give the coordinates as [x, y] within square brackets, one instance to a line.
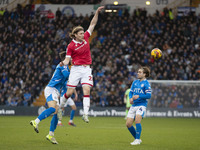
[30, 43]
[79, 2]
[171, 95]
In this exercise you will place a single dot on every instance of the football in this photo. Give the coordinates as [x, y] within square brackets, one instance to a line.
[156, 53]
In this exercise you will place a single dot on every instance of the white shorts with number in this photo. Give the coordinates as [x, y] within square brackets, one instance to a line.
[136, 110]
[51, 94]
[81, 74]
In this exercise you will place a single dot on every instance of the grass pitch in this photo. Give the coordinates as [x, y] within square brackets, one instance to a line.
[102, 133]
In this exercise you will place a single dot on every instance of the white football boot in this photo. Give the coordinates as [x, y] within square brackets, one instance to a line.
[136, 142]
[85, 118]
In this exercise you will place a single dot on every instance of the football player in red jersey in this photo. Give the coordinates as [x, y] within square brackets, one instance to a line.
[79, 51]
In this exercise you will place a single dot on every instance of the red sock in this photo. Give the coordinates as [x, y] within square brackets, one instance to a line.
[65, 95]
[86, 96]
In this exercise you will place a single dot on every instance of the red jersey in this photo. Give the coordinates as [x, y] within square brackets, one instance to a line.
[80, 51]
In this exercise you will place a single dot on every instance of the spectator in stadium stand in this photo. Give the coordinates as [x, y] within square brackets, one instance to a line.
[2, 99]
[58, 13]
[50, 15]
[75, 1]
[27, 98]
[2, 11]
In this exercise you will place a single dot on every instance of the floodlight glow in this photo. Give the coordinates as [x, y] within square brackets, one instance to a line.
[115, 3]
[108, 10]
[148, 3]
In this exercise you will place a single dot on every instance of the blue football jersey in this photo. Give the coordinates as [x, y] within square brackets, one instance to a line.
[143, 89]
[60, 76]
[64, 88]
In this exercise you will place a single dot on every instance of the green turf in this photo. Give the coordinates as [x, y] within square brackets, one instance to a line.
[102, 133]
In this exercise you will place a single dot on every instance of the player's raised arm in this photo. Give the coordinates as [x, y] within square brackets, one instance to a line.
[95, 19]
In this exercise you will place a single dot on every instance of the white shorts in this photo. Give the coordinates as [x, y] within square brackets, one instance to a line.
[51, 94]
[70, 102]
[81, 74]
[137, 110]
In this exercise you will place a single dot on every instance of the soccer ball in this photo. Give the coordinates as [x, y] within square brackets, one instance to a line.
[156, 53]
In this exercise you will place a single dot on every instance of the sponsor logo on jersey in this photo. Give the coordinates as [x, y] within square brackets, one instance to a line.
[138, 90]
[79, 47]
[84, 43]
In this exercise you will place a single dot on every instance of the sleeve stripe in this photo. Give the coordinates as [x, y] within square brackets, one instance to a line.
[147, 90]
[89, 32]
[67, 56]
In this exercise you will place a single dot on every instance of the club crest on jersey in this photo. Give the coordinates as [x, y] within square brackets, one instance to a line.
[142, 85]
[65, 67]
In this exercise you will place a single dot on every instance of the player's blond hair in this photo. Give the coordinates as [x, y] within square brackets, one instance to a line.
[75, 30]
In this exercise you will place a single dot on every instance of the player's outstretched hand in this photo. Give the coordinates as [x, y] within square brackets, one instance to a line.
[135, 97]
[131, 101]
[61, 64]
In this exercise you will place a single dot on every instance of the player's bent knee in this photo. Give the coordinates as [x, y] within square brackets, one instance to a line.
[52, 104]
[73, 107]
[128, 124]
[86, 90]
[138, 119]
[57, 107]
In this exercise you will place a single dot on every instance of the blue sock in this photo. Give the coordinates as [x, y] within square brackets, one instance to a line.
[72, 114]
[132, 131]
[54, 122]
[46, 113]
[138, 130]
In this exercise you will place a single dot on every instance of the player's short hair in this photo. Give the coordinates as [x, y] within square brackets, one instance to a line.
[62, 55]
[146, 70]
[75, 30]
